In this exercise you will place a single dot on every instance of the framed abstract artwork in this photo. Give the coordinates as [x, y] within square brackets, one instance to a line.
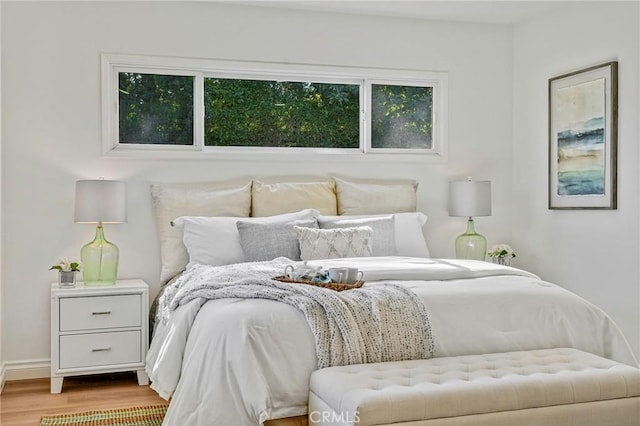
[583, 133]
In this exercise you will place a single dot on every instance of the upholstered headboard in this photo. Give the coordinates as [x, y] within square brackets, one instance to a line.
[330, 196]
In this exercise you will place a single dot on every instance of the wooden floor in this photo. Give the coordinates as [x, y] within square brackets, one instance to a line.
[23, 402]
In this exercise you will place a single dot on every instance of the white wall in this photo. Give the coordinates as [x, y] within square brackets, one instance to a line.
[2, 375]
[593, 253]
[52, 124]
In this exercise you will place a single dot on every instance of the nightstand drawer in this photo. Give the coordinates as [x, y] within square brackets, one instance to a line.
[98, 312]
[96, 349]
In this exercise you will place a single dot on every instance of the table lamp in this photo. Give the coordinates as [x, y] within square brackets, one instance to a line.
[470, 198]
[100, 201]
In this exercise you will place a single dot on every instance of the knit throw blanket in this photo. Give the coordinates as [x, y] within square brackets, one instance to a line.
[369, 324]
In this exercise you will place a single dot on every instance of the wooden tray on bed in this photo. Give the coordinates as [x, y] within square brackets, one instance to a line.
[330, 286]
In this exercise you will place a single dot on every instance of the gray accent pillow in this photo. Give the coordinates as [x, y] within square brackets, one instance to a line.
[267, 241]
[383, 240]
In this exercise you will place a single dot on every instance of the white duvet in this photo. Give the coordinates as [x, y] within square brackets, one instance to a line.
[241, 362]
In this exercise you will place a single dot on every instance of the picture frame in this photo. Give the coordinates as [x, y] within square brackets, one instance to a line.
[583, 138]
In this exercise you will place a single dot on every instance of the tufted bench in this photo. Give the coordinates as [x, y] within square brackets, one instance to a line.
[538, 387]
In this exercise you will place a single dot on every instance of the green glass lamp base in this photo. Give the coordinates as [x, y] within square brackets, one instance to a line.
[99, 261]
[471, 245]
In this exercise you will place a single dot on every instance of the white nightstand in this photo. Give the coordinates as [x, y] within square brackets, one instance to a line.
[99, 330]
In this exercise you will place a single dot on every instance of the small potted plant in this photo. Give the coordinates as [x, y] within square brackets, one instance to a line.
[66, 272]
[501, 254]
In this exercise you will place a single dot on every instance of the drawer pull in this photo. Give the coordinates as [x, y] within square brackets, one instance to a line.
[101, 313]
[101, 350]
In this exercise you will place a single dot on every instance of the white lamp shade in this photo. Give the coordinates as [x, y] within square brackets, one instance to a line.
[101, 201]
[470, 198]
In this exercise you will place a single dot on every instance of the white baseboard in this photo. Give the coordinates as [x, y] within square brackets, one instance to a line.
[27, 369]
[2, 378]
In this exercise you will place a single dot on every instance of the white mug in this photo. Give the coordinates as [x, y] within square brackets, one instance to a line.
[345, 275]
[338, 275]
[354, 275]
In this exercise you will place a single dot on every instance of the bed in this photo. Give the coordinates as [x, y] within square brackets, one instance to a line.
[232, 347]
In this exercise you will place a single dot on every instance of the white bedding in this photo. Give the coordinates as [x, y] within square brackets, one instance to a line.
[242, 362]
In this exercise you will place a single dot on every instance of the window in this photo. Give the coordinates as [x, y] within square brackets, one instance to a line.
[206, 106]
[401, 117]
[155, 109]
[268, 113]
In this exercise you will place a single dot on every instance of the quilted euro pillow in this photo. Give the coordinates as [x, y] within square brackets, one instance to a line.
[172, 200]
[359, 198]
[268, 199]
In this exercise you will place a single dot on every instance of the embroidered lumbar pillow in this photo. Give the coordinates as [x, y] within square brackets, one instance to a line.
[334, 243]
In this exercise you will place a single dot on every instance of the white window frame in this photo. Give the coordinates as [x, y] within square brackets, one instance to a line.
[113, 64]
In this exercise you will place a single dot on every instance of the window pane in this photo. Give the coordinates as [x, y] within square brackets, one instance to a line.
[401, 117]
[281, 114]
[155, 109]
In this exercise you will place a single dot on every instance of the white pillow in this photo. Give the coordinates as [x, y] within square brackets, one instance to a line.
[216, 241]
[355, 198]
[384, 236]
[409, 237]
[268, 199]
[172, 200]
[334, 243]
